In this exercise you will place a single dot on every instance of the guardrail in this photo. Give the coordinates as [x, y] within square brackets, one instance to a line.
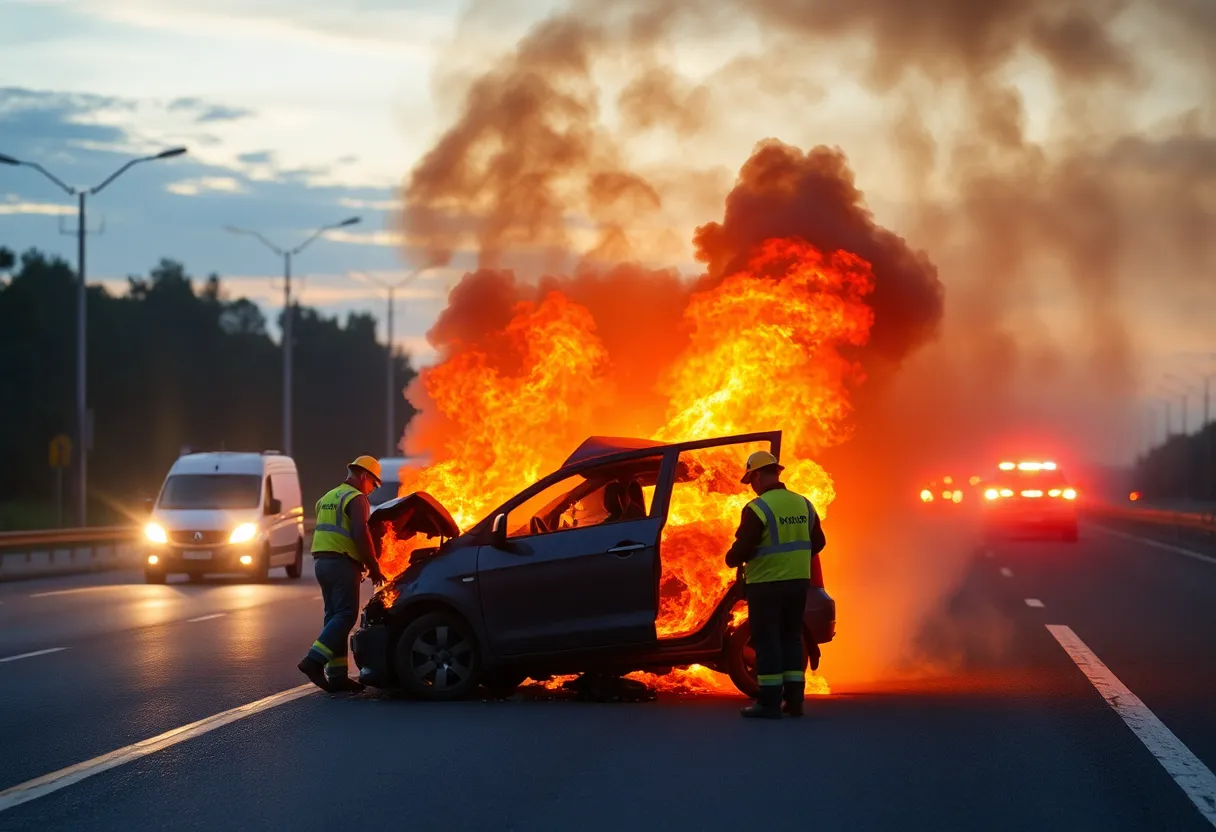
[42, 552]
[1195, 527]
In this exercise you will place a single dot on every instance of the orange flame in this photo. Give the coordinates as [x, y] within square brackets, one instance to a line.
[765, 351]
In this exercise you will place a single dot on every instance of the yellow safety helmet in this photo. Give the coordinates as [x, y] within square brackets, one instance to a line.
[758, 460]
[369, 464]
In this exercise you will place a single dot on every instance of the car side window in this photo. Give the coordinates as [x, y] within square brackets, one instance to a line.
[600, 495]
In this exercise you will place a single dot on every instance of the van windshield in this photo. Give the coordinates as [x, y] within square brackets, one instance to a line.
[212, 491]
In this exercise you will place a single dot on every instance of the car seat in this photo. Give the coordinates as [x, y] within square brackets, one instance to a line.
[614, 502]
[635, 500]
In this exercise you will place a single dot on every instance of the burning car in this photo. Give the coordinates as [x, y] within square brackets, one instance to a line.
[569, 577]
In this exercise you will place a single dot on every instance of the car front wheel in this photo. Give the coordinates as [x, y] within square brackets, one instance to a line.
[741, 660]
[296, 568]
[437, 657]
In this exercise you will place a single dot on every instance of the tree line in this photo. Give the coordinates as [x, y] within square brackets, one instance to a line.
[173, 363]
[1184, 467]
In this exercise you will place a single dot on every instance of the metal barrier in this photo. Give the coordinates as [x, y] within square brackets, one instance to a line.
[44, 552]
[1197, 527]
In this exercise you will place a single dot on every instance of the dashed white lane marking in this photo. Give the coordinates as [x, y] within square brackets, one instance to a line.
[75, 591]
[1034, 602]
[56, 780]
[206, 617]
[1157, 544]
[1006, 572]
[1188, 771]
[31, 655]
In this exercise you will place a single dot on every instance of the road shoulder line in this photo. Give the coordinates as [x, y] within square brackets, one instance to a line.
[1148, 541]
[56, 780]
[1188, 771]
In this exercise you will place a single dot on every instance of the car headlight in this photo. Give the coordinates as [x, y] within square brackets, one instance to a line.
[155, 533]
[243, 533]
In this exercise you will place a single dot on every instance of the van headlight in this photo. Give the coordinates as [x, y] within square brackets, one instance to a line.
[155, 533]
[243, 533]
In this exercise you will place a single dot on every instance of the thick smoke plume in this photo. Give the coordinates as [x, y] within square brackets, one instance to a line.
[1053, 164]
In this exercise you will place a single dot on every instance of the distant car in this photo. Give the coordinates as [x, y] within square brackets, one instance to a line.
[948, 491]
[227, 513]
[563, 578]
[1030, 499]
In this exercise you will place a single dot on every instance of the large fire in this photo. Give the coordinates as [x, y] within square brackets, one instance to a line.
[766, 349]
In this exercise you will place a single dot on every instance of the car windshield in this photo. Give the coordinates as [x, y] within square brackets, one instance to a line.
[212, 491]
[388, 490]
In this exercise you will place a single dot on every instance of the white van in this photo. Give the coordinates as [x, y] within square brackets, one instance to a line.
[227, 512]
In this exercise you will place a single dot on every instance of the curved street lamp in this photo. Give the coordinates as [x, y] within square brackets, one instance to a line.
[82, 432]
[287, 254]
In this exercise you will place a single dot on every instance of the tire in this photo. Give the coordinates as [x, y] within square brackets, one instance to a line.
[741, 660]
[261, 571]
[295, 570]
[154, 576]
[445, 638]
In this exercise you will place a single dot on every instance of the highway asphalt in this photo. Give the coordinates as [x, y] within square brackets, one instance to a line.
[1008, 733]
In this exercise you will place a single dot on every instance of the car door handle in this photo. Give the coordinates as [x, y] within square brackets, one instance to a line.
[624, 549]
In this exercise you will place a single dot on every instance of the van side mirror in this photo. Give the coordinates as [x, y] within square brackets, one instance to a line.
[499, 532]
[274, 506]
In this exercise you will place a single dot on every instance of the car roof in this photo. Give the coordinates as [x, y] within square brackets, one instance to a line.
[603, 447]
[220, 462]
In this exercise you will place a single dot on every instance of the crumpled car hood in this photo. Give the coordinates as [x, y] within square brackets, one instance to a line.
[416, 513]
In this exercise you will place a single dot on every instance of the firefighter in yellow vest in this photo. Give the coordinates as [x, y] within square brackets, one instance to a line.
[776, 539]
[343, 553]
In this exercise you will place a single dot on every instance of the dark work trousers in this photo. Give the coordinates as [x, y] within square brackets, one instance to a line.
[774, 613]
[339, 577]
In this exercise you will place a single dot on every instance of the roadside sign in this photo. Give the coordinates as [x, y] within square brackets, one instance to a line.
[61, 451]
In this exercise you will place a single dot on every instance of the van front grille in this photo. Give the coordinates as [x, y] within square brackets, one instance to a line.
[198, 538]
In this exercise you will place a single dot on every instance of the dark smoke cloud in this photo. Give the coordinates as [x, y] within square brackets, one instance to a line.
[783, 192]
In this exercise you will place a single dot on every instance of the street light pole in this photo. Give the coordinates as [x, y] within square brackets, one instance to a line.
[390, 395]
[82, 295]
[288, 331]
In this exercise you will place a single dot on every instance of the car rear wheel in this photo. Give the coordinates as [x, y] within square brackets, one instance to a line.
[296, 569]
[741, 660]
[437, 657]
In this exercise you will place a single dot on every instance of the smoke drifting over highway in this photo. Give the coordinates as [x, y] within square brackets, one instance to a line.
[1046, 210]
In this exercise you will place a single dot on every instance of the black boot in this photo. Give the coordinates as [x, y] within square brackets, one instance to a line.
[767, 704]
[343, 684]
[792, 694]
[315, 671]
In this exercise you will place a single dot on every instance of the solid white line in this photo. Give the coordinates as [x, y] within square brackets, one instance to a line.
[206, 617]
[1193, 776]
[31, 655]
[56, 780]
[1159, 545]
[1006, 572]
[1034, 602]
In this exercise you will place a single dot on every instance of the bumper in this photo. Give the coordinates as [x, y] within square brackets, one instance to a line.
[225, 558]
[369, 648]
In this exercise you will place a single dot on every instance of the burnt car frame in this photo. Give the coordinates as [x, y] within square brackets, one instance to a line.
[492, 608]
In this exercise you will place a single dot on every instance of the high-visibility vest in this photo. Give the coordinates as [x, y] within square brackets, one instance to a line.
[333, 531]
[785, 549]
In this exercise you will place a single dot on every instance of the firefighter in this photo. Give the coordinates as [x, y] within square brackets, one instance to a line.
[778, 535]
[343, 554]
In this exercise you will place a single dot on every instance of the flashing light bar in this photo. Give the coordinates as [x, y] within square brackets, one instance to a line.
[1028, 466]
[1032, 492]
[1007, 466]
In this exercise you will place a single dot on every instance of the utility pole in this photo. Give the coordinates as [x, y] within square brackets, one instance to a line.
[82, 408]
[288, 332]
[390, 393]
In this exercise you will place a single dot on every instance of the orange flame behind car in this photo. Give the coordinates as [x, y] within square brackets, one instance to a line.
[763, 353]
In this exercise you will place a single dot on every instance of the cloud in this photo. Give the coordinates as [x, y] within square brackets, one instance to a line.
[205, 184]
[257, 157]
[204, 112]
[12, 204]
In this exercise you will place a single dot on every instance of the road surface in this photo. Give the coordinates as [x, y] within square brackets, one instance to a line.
[1028, 734]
